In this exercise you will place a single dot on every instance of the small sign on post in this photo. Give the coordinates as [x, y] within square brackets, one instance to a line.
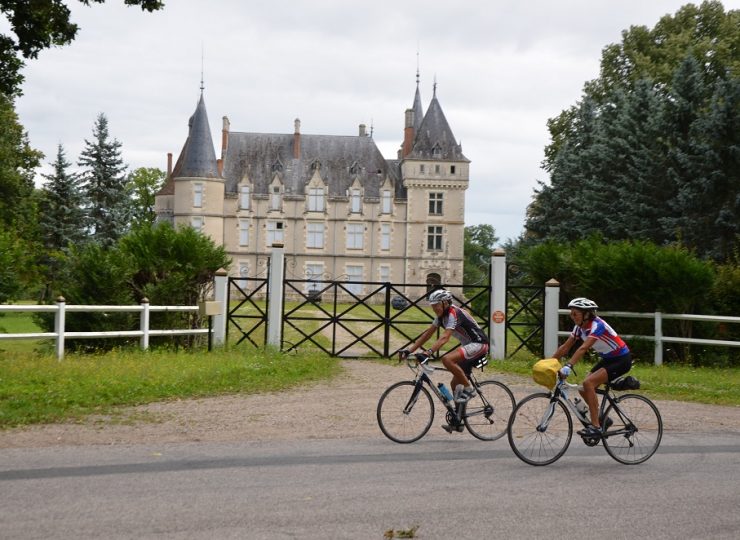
[209, 309]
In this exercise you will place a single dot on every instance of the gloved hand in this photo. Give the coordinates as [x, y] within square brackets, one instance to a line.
[565, 371]
[404, 353]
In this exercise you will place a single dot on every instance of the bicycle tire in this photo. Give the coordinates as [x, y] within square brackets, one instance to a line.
[489, 423]
[638, 444]
[539, 447]
[401, 425]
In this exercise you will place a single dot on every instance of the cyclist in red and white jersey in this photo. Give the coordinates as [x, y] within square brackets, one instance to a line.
[455, 321]
[596, 334]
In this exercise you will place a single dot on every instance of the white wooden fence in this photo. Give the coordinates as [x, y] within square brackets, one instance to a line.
[552, 327]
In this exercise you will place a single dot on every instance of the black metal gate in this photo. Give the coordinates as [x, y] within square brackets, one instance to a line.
[246, 315]
[337, 318]
[525, 314]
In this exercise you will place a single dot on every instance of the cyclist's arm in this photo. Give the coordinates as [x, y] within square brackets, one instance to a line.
[422, 338]
[444, 338]
[564, 348]
[582, 350]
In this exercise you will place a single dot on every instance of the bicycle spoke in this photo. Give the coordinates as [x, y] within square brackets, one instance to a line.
[539, 445]
[404, 412]
[636, 429]
[487, 417]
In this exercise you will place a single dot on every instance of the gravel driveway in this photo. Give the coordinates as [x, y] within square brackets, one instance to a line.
[341, 408]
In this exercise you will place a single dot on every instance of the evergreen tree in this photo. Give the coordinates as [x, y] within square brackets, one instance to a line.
[105, 185]
[62, 215]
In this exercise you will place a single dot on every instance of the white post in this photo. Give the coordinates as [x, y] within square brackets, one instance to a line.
[144, 323]
[59, 326]
[552, 301]
[658, 338]
[275, 295]
[498, 305]
[221, 295]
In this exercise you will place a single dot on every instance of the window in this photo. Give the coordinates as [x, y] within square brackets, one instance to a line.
[436, 169]
[197, 195]
[243, 232]
[452, 169]
[275, 233]
[244, 201]
[437, 152]
[354, 273]
[421, 168]
[355, 201]
[275, 198]
[384, 273]
[385, 202]
[314, 271]
[315, 235]
[385, 236]
[434, 238]
[435, 204]
[355, 234]
[196, 222]
[316, 199]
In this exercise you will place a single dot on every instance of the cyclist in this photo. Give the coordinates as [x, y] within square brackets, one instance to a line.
[597, 334]
[457, 322]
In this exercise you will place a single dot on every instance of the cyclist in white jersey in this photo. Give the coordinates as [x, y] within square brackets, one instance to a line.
[455, 321]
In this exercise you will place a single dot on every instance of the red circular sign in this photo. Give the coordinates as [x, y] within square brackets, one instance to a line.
[498, 316]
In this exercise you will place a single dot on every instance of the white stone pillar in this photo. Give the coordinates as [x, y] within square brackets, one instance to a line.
[658, 338]
[59, 326]
[275, 296]
[552, 301]
[497, 335]
[221, 295]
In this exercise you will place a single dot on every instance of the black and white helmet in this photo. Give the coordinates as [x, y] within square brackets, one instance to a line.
[440, 295]
[583, 303]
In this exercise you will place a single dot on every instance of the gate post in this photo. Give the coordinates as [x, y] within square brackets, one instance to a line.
[498, 305]
[221, 295]
[59, 326]
[552, 300]
[275, 295]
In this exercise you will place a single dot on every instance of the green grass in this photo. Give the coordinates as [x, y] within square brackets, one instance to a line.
[716, 386]
[12, 322]
[39, 389]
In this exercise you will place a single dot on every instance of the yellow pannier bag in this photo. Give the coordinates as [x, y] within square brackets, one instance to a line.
[545, 372]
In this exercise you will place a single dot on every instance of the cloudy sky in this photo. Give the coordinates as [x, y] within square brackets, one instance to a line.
[503, 67]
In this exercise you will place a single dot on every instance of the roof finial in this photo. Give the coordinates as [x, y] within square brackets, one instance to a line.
[372, 128]
[434, 88]
[202, 86]
[417, 63]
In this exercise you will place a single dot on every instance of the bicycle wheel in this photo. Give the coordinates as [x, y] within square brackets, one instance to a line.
[540, 430]
[488, 422]
[405, 412]
[636, 429]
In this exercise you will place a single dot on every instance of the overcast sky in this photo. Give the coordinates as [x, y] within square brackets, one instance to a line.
[503, 68]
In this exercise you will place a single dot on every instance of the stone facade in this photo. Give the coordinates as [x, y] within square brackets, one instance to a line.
[341, 210]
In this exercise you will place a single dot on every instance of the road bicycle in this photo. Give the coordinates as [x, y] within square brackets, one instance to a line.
[541, 425]
[406, 410]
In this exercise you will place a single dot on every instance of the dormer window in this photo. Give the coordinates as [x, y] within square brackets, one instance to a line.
[244, 197]
[316, 199]
[355, 201]
[277, 166]
[354, 169]
[437, 151]
[275, 198]
[315, 165]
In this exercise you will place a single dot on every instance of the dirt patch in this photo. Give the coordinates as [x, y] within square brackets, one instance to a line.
[341, 408]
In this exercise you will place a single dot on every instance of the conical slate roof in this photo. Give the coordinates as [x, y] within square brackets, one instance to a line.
[418, 109]
[434, 138]
[198, 158]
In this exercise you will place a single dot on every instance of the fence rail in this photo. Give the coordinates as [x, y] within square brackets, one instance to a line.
[60, 309]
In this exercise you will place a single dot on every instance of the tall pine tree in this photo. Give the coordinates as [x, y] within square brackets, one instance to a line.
[62, 217]
[105, 185]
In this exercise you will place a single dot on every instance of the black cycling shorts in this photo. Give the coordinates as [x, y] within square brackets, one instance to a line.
[614, 367]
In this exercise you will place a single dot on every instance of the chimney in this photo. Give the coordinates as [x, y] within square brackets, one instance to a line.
[225, 136]
[408, 133]
[297, 139]
[220, 167]
[363, 133]
[169, 164]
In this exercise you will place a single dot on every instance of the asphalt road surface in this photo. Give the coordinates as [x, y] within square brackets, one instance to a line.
[439, 487]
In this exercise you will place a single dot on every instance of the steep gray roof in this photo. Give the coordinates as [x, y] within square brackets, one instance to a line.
[340, 160]
[418, 109]
[197, 159]
[434, 131]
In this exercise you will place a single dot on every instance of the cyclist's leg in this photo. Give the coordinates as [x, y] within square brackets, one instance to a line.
[452, 361]
[590, 384]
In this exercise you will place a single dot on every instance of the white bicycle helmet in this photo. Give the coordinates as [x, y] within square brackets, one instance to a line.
[582, 303]
[440, 295]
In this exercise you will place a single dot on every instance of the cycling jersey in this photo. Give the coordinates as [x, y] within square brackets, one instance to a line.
[462, 324]
[608, 344]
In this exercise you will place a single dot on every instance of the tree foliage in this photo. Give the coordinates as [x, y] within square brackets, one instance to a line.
[36, 26]
[652, 151]
[104, 182]
[142, 185]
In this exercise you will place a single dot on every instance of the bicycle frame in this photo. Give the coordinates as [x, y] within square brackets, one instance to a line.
[422, 378]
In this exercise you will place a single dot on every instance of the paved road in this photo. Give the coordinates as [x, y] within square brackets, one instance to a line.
[450, 487]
